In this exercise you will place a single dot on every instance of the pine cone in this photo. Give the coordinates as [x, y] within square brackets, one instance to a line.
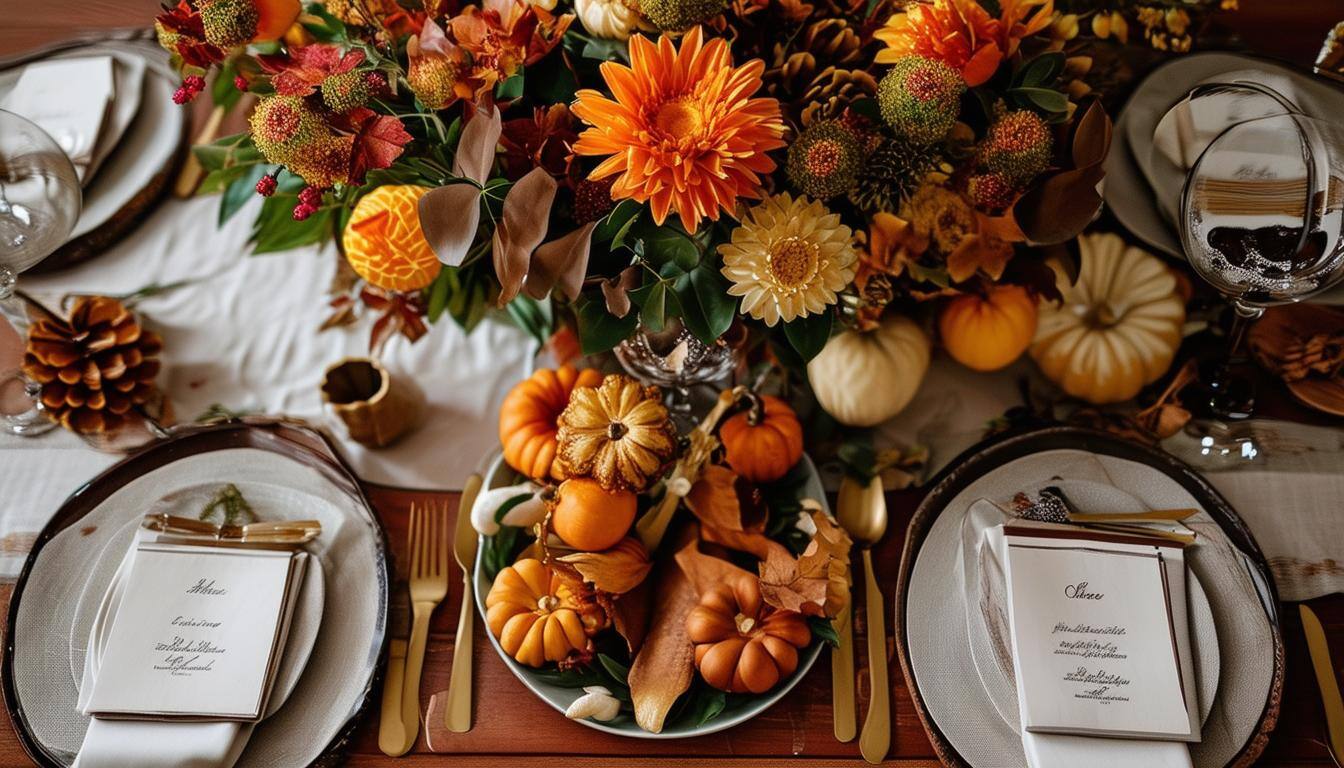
[832, 92]
[891, 172]
[95, 368]
[818, 47]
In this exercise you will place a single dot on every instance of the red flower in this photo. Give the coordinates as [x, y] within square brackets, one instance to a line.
[181, 32]
[540, 140]
[304, 70]
[504, 36]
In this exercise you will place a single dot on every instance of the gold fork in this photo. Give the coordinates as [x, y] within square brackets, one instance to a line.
[428, 586]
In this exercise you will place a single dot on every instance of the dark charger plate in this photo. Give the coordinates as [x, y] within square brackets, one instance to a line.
[997, 451]
[289, 439]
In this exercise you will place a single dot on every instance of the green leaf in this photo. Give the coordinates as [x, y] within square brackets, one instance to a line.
[858, 457]
[239, 191]
[667, 244]
[614, 227]
[599, 330]
[237, 149]
[606, 50]
[222, 91]
[706, 704]
[652, 300]
[807, 335]
[618, 671]
[823, 630]
[511, 88]
[707, 309]
[1044, 99]
[1040, 71]
[330, 29]
[532, 316]
[438, 293]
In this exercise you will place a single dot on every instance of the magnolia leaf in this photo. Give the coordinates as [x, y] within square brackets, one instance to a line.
[616, 291]
[522, 227]
[665, 665]
[617, 570]
[1092, 137]
[449, 216]
[476, 149]
[562, 264]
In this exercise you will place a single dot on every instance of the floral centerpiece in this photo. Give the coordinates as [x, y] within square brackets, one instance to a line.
[807, 167]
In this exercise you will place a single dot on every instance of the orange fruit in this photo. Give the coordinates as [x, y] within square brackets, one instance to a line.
[588, 517]
[384, 243]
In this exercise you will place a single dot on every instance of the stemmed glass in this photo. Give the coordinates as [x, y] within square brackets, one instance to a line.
[1262, 215]
[40, 201]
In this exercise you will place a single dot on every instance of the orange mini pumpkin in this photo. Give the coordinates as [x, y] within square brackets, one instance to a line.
[743, 645]
[536, 615]
[527, 418]
[763, 442]
[586, 516]
[986, 334]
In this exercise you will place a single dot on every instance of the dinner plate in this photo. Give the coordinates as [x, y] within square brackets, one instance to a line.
[136, 174]
[959, 715]
[738, 709]
[306, 477]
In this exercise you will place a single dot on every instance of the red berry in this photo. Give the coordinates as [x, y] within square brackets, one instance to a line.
[194, 82]
[303, 211]
[240, 82]
[310, 196]
[266, 185]
[182, 95]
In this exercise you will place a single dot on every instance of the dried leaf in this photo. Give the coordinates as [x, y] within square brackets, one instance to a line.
[630, 614]
[617, 570]
[1092, 137]
[616, 291]
[827, 556]
[665, 664]
[449, 216]
[707, 571]
[784, 586]
[1062, 205]
[560, 264]
[713, 498]
[522, 227]
[476, 148]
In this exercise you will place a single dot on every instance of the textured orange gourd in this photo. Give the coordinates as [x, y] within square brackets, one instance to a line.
[986, 334]
[743, 645]
[535, 616]
[763, 442]
[619, 434]
[527, 418]
[588, 517]
[384, 243]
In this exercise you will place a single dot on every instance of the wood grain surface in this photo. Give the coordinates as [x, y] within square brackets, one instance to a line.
[513, 728]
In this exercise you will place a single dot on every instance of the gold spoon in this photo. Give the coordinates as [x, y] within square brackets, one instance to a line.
[862, 512]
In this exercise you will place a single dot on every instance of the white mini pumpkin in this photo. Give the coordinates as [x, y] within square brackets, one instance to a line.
[863, 378]
[609, 19]
[1118, 327]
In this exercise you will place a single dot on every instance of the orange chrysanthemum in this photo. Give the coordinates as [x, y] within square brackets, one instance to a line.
[962, 34]
[683, 132]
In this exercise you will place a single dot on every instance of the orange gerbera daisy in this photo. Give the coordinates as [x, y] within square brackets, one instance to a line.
[962, 34]
[683, 132]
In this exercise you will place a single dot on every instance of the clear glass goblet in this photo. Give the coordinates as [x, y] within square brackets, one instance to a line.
[40, 200]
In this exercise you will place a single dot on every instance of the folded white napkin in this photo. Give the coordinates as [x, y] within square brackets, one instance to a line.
[70, 100]
[164, 743]
[1051, 750]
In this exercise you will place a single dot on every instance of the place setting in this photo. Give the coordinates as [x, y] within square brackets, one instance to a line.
[939, 382]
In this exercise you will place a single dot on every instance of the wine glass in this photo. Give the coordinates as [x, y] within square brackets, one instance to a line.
[676, 360]
[1262, 222]
[40, 201]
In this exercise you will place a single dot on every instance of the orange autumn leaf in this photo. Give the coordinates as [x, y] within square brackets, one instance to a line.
[707, 571]
[817, 582]
[784, 586]
[617, 570]
[713, 498]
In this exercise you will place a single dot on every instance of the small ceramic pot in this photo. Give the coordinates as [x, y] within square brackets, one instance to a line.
[375, 407]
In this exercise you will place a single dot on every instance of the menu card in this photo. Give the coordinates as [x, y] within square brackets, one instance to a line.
[198, 634]
[1095, 644]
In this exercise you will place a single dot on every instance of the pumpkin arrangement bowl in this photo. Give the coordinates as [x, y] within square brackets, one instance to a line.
[648, 583]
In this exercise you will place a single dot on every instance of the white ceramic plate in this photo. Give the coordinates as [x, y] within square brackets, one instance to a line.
[739, 709]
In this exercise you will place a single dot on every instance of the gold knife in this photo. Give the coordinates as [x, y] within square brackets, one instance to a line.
[843, 717]
[457, 715]
[1325, 679]
[391, 730]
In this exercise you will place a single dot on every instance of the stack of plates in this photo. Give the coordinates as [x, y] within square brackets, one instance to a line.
[148, 134]
[1141, 188]
[285, 472]
[962, 687]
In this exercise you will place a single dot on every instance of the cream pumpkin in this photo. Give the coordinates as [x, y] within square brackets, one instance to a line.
[863, 378]
[1119, 324]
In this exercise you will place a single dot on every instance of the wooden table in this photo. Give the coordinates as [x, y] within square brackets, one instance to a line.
[512, 727]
